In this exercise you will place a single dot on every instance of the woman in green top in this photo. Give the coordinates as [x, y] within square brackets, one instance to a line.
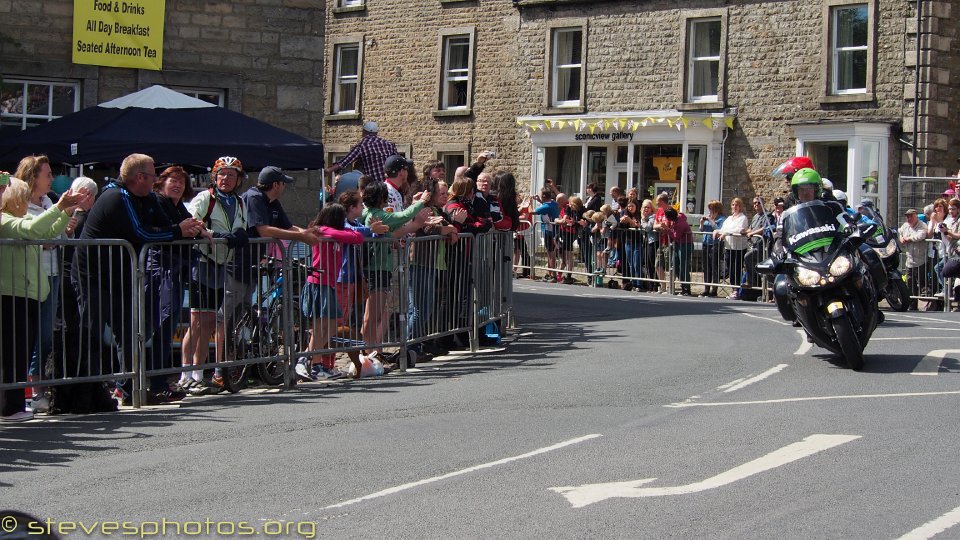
[382, 261]
[23, 285]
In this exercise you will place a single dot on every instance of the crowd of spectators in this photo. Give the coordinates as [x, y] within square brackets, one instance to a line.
[353, 253]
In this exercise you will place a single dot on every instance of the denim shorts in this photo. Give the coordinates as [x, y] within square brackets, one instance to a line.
[319, 302]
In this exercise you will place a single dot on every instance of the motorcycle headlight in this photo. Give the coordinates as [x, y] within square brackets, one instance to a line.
[889, 250]
[840, 266]
[807, 277]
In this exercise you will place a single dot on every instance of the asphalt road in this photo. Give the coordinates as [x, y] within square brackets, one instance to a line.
[609, 414]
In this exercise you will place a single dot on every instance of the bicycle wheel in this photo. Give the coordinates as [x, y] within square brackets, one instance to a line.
[235, 377]
[271, 341]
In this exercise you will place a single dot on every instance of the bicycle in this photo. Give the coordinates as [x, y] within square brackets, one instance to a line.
[259, 332]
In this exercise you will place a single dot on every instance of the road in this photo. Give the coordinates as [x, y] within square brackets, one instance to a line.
[608, 414]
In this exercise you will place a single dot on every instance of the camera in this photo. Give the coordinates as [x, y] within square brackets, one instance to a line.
[4, 179]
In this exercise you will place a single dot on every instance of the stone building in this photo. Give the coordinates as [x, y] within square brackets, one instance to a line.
[263, 58]
[702, 99]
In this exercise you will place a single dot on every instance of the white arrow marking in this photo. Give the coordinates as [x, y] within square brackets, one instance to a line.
[504, 461]
[757, 378]
[932, 360]
[580, 496]
[935, 527]
[804, 344]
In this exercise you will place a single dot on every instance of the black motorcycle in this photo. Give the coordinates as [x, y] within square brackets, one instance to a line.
[886, 245]
[822, 282]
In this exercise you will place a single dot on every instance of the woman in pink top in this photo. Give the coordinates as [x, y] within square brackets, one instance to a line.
[318, 300]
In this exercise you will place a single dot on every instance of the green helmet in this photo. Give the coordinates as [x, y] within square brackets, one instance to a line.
[806, 177]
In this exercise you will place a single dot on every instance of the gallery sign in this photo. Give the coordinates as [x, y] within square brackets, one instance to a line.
[119, 33]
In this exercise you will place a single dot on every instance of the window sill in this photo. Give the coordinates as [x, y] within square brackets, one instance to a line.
[350, 9]
[452, 112]
[847, 98]
[702, 106]
[579, 109]
[342, 116]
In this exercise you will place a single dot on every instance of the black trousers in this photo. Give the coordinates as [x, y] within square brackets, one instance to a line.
[19, 318]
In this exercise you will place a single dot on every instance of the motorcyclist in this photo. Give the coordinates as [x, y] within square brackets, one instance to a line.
[786, 170]
[808, 186]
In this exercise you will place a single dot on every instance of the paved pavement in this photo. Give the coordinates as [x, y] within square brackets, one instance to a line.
[609, 414]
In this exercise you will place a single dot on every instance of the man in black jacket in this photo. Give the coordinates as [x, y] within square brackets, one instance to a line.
[104, 276]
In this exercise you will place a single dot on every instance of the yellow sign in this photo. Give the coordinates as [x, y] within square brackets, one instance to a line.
[119, 33]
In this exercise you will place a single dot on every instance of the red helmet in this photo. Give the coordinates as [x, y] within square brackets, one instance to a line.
[792, 165]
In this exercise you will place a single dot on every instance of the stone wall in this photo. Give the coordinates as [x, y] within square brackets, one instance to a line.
[266, 54]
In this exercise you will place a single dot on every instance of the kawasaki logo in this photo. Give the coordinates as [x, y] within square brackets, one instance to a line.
[829, 227]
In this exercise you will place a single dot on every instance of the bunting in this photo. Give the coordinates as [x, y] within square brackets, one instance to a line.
[625, 124]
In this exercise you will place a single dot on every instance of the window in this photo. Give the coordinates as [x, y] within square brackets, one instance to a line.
[456, 72]
[852, 155]
[27, 103]
[452, 160]
[849, 49]
[566, 61]
[205, 94]
[703, 62]
[346, 83]
[349, 3]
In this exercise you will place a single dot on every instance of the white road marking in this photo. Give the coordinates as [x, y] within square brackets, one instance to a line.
[919, 318]
[942, 329]
[912, 338]
[804, 344]
[418, 483]
[731, 383]
[776, 369]
[766, 319]
[935, 527]
[932, 360]
[814, 398]
[580, 496]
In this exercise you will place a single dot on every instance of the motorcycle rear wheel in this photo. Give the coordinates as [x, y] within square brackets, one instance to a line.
[849, 342]
[897, 294]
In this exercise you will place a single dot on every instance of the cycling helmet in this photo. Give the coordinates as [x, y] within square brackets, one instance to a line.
[227, 162]
[791, 166]
[806, 177]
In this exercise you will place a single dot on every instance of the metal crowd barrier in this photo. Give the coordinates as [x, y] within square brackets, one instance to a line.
[83, 329]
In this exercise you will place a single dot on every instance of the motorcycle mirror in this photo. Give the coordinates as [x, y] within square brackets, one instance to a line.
[769, 266]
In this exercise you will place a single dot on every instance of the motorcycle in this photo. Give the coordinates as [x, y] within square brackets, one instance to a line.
[886, 245]
[822, 283]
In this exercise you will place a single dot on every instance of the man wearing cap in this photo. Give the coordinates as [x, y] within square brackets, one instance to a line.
[265, 219]
[913, 238]
[372, 151]
[396, 169]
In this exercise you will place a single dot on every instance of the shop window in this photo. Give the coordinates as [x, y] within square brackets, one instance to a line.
[346, 78]
[456, 70]
[703, 60]
[27, 103]
[562, 165]
[566, 55]
[852, 156]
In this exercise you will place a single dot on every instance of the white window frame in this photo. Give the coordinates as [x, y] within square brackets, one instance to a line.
[459, 74]
[857, 136]
[350, 3]
[195, 93]
[23, 116]
[340, 80]
[836, 51]
[692, 60]
[556, 68]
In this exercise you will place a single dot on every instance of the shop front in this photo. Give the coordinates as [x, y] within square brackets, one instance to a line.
[651, 151]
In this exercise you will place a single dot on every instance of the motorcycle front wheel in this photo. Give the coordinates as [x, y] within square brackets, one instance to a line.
[896, 293]
[849, 342]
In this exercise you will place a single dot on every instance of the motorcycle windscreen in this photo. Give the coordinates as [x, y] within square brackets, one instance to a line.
[809, 226]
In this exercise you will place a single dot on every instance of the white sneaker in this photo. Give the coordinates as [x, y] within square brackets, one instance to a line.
[40, 404]
[303, 372]
[21, 416]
